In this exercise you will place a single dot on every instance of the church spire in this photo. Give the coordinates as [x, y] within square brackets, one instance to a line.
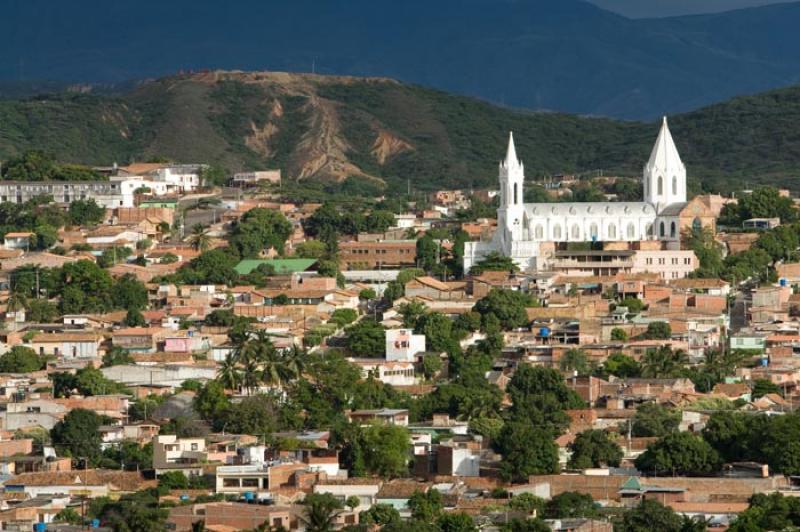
[665, 155]
[511, 154]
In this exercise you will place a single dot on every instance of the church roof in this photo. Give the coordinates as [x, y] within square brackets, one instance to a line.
[627, 208]
[665, 153]
[511, 159]
[673, 209]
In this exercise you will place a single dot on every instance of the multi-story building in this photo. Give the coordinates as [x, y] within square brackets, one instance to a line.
[403, 345]
[108, 194]
[171, 453]
[379, 254]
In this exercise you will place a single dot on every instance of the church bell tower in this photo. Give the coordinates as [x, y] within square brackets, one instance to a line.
[512, 206]
[664, 174]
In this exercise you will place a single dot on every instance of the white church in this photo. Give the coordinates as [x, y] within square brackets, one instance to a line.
[524, 229]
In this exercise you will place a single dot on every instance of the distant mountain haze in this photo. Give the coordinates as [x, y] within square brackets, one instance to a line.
[564, 55]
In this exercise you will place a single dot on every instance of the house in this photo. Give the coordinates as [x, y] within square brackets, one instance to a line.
[69, 345]
[403, 345]
[85, 483]
[19, 240]
[366, 489]
[394, 373]
[434, 289]
[230, 516]
[141, 339]
[171, 453]
[387, 415]
[256, 477]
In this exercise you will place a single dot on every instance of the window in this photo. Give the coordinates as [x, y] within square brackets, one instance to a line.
[697, 225]
[687, 261]
[593, 231]
[661, 230]
[631, 231]
[675, 260]
[249, 482]
[672, 230]
[576, 232]
[557, 232]
[539, 232]
[674, 185]
[660, 187]
[516, 199]
[230, 483]
[194, 446]
[649, 260]
[612, 231]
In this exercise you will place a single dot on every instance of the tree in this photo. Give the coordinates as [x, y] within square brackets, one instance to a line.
[431, 365]
[574, 360]
[540, 396]
[526, 451]
[367, 294]
[385, 450]
[173, 480]
[652, 420]
[528, 503]
[86, 212]
[772, 511]
[729, 434]
[633, 304]
[310, 249]
[761, 387]
[380, 514]
[658, 330]
[663, 363]
[571, 504]
[594, 448]
[494, 262]
[622, 366]
[117, 356]
[527, 525]
[438, 331]
[367, 338]
[619, 335]
[258, 414]
[321, 511]
[21, 359]
[508, 306]
[428, 253]
[762, 202]
[40, 311]
[260, 229]
[77, 435]
[426, 506]
[200, 240]
[649, 516]
[344, 316]
[134, 318]
[680, 453]
[456, 522]
[87, 288]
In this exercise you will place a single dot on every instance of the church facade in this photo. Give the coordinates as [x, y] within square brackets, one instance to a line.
[524, 229]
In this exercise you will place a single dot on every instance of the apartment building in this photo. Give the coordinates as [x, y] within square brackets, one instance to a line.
[379, 254]
[108, 194]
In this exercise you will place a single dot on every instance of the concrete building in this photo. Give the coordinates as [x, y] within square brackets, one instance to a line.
[108, 194]
[403, 345]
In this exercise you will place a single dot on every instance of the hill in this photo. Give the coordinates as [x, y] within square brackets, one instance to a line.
[331, 128]
[563, 55]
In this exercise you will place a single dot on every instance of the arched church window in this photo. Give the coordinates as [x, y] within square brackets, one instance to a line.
[650, 230]
[593, 231]
[662, 230]
[539, 232]
[576, 232]
[672, 230]
[674, 186]
[631, 231]
[660, 187]
[557, 232]
[612, 231]
[516, 198]
[697, 225]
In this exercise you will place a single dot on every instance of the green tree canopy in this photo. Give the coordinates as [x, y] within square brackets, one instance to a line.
[594, 448]
[21, 359]
[679, 453]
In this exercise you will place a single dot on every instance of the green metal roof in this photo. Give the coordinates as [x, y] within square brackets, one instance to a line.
[632, 484]
[282, 266]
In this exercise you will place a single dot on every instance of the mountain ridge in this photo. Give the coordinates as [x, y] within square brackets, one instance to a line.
[563, 55]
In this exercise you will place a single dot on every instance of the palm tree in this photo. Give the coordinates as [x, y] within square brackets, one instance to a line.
[663, 363]
[321, 511]
[294, 363]
[199, 239]
[229, 374]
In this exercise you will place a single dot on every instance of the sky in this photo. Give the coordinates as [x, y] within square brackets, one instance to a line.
[666, 8]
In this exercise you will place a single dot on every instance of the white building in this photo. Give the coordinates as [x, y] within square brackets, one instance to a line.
[403, 345]
[523, 227]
